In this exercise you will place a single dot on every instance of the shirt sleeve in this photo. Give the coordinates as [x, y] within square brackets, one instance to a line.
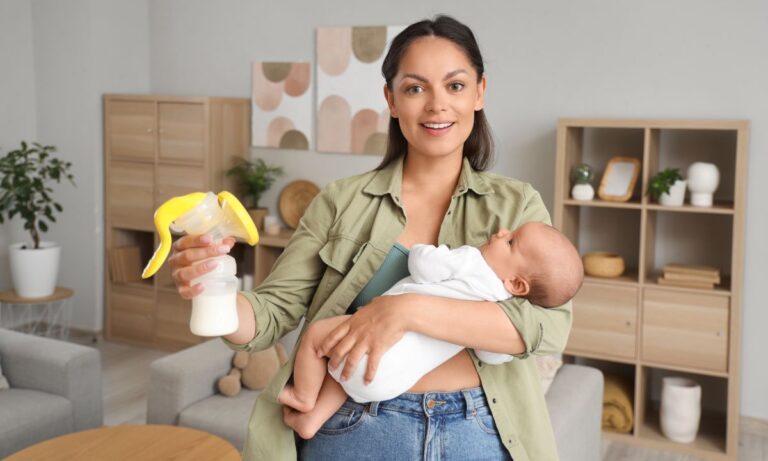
[431, 264]
[283, 298]
[544, 330]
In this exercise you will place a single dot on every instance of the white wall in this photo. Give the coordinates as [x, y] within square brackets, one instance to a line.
[17, 101]
[72, 52]
[545, 59]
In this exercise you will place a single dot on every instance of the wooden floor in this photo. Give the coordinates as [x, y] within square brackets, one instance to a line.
[126, 377]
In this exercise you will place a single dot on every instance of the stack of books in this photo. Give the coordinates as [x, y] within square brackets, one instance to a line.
[681, 275]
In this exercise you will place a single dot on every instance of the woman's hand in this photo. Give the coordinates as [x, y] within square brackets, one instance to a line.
[186, 252]
[372, 330]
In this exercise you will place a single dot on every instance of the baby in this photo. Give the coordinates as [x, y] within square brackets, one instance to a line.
[535, 262]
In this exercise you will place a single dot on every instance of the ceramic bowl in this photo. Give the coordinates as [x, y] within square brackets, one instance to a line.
[603, 264]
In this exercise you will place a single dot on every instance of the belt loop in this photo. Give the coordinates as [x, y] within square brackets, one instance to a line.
[470, 402]
[373, 408]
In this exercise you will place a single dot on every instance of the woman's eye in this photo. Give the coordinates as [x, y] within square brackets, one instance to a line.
[414, 89]
[457, 86]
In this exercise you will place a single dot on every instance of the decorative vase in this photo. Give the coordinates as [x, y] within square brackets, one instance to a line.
[34, 271]
[583, 192]
[680, 408]
[676, 195]
[703, 179]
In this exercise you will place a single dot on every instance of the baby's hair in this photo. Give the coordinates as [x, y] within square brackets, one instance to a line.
[558, 273]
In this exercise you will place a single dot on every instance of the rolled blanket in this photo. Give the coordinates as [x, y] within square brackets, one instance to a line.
[618, 414]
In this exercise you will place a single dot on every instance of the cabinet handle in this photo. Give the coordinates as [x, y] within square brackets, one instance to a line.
[629, 323]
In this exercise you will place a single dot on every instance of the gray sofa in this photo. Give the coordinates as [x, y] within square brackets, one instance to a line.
[55, 389]
[182, 392]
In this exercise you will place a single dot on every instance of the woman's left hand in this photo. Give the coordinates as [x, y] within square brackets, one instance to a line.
[372, 330]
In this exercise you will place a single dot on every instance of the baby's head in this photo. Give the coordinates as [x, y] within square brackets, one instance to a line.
[537, 262]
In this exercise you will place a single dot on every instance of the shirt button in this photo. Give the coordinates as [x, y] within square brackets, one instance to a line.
[494, 400]
[479, 363]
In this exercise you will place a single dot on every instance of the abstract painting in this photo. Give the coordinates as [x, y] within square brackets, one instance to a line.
[352, 114]
[282, 105]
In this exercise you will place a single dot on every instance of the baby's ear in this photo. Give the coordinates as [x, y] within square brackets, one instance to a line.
[518, 286]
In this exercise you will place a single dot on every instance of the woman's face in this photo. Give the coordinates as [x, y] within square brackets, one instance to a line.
[434, 96]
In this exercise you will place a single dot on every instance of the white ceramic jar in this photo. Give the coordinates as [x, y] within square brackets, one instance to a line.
[703, 179]
[214, 311]
[680, 408]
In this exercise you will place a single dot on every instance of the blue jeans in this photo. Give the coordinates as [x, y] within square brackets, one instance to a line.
[435, 426]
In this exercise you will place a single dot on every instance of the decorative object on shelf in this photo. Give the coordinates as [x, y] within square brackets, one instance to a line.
[668, 187]
[681, 275]
[680, 408]
[618, 412]
[348, 65]
[271, 226]
[603, 264]
[281, 105]
[25, 178]
[582, 176]
[619, 179]
[294, 200]
[703, 179]
[253, 179]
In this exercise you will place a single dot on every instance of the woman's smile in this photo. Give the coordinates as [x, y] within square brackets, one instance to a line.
[437, 128]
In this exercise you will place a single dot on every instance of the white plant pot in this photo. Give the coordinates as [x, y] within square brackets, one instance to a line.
[676, 195]
[680, 408]
[34, 272]
[583, 192]
[703, 179]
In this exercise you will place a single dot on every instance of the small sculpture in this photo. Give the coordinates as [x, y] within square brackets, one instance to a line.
[582, 176]
[703, 179]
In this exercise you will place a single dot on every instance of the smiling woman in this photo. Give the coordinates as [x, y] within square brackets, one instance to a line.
[352, 245]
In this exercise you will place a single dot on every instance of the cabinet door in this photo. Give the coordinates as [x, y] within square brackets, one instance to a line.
[131, 312]
[130, 195]
[172, 321]
[183, 136]
[131, 129]
[604, 321]
[175, 180]
[685, 329]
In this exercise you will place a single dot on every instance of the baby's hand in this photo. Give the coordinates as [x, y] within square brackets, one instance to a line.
[304, 424]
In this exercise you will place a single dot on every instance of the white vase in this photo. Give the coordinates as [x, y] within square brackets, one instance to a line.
[34, 271]
[583, 192]
[703, 179]
[680, 408]
[676, 195]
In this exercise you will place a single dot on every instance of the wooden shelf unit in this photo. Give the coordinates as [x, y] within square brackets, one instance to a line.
[157, 147]
[632, 322]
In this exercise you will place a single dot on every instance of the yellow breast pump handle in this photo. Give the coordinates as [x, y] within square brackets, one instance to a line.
[233, 220]
[164, 216]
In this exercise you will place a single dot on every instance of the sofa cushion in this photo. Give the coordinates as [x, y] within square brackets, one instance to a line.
[28, 417]
[226, 417]
[3, 381]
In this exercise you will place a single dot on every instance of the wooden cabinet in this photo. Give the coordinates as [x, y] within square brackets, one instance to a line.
[157, 147]
[631, 325]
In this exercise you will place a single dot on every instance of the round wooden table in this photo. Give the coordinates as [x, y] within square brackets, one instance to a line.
[119, 443]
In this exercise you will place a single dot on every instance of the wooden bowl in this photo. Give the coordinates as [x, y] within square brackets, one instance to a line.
[603, 264]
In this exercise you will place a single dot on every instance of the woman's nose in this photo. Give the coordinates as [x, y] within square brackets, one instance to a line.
[437, 102]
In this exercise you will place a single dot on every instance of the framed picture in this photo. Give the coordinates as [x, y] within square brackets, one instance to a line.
[619, 179]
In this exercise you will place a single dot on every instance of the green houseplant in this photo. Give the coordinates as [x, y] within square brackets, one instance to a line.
[668, 187]
[25, 177]
[253, 178]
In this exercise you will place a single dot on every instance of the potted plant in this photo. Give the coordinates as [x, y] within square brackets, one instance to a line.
[25, 177]
[581, 176]
[253, 179]
[668, 187]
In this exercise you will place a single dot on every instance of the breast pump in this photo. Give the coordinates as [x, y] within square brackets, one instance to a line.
[214, 311]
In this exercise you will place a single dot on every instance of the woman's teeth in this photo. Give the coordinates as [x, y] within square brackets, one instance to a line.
[437, 126]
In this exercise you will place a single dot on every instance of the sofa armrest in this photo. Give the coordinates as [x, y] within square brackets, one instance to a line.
[575, 402]
[56, 367]
[181, 379]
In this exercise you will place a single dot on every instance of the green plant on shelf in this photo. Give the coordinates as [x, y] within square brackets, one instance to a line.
[662, 181]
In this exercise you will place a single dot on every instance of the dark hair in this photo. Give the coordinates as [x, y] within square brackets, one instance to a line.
[478, 147]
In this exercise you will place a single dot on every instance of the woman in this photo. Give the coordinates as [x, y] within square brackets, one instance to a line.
[350, 247]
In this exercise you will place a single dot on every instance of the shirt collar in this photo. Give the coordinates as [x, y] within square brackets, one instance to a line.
[389, 180]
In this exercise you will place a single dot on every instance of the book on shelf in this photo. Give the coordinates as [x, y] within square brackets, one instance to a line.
[685, 277]
[704, 271]
[685, 283]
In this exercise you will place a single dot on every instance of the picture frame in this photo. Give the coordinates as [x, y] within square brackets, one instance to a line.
[619, 179]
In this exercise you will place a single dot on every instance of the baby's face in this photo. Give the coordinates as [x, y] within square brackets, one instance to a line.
[504, 252]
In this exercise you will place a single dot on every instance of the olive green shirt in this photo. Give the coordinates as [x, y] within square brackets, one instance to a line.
[342, 240]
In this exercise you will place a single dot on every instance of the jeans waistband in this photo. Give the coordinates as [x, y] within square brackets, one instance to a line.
[465, 401]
